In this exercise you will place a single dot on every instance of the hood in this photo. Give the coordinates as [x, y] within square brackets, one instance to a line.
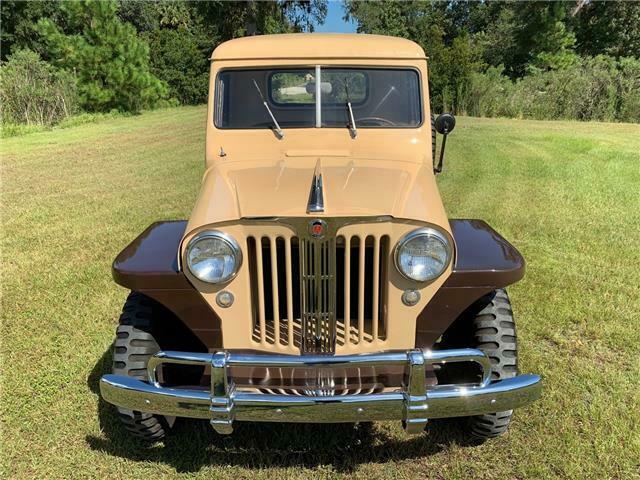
[350, 187]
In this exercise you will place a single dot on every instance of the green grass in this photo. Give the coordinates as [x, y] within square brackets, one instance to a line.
[16, 130]
[566, 194]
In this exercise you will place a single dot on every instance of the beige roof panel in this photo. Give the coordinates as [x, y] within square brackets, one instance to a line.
[318, 45]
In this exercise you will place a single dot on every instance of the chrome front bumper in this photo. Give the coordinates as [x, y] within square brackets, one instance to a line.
[414, 404]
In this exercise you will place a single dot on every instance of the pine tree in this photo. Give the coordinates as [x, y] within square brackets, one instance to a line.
[553, 41]
[109, 60]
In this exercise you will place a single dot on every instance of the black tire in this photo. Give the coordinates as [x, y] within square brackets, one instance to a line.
[494, 332]
[133, 347]
[487, 325]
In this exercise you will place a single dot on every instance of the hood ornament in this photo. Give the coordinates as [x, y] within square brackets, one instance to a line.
[316, 195]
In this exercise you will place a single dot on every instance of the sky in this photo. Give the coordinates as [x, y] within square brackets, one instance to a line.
[334, 22]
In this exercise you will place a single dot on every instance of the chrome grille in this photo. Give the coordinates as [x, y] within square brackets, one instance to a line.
[317, 279]
[317, 294]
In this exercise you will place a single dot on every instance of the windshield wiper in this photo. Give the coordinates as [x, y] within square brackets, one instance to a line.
[352, 122]
[277, 128]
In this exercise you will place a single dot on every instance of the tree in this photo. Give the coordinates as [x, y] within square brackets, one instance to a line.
[18, 21]
[494, 29]
[180, 57]
[544, 42]
[34, 92]
[111, 63]
[182, 34]
[439, 30]
[610, 28]
[524, 37]
[143, 15]
[250, 17]
[180, 42]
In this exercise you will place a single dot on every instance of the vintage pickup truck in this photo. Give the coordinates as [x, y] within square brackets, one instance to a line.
[318, 278]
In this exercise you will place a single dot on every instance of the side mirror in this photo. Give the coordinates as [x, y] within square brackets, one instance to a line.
[444, 125]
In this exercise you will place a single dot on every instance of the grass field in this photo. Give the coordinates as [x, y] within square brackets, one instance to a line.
[566, 194]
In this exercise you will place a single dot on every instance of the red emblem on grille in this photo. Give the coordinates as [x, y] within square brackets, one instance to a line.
[317, 228]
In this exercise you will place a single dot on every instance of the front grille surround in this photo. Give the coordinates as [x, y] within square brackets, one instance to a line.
[333, 286]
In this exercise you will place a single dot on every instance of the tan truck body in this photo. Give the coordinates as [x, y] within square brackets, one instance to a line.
[316, 216]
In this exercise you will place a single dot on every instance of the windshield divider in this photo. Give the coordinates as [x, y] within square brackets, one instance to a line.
[318, 97]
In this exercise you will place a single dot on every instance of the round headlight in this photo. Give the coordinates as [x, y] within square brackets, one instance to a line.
[213, 257]
[423, 255]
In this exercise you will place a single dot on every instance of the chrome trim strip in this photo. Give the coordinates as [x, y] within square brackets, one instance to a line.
[222, 404]
[318, 98]
[319, 361]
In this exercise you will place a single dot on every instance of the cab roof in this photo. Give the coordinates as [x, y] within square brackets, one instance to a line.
[317, 46]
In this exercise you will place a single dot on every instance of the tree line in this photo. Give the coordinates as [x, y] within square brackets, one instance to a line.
[545, 60]
[576, 60]
[64, 57]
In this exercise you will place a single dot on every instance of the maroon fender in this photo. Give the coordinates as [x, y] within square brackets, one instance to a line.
[149, 265]
[484, 262]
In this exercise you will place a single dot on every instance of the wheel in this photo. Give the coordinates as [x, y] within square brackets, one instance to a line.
[494, 332]
[488, 326]
[133, 347]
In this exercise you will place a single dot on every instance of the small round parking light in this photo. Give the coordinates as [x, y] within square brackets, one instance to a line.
[224, 299]
[410, 297]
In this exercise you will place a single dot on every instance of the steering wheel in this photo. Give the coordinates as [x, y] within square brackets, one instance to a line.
[379, 120]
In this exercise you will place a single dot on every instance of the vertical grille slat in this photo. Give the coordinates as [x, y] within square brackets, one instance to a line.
[347, 289]
[289, 283]
[376, 292]
[260, 278]
[382, 286]
[317, 294]
[274, 289]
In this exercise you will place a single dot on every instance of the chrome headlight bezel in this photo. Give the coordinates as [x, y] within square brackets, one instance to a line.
[228, 240]
[426, 232]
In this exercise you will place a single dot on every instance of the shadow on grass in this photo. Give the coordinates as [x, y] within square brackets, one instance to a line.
[193, 444]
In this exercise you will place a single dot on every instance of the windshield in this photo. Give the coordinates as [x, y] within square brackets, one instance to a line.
[286, 97]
